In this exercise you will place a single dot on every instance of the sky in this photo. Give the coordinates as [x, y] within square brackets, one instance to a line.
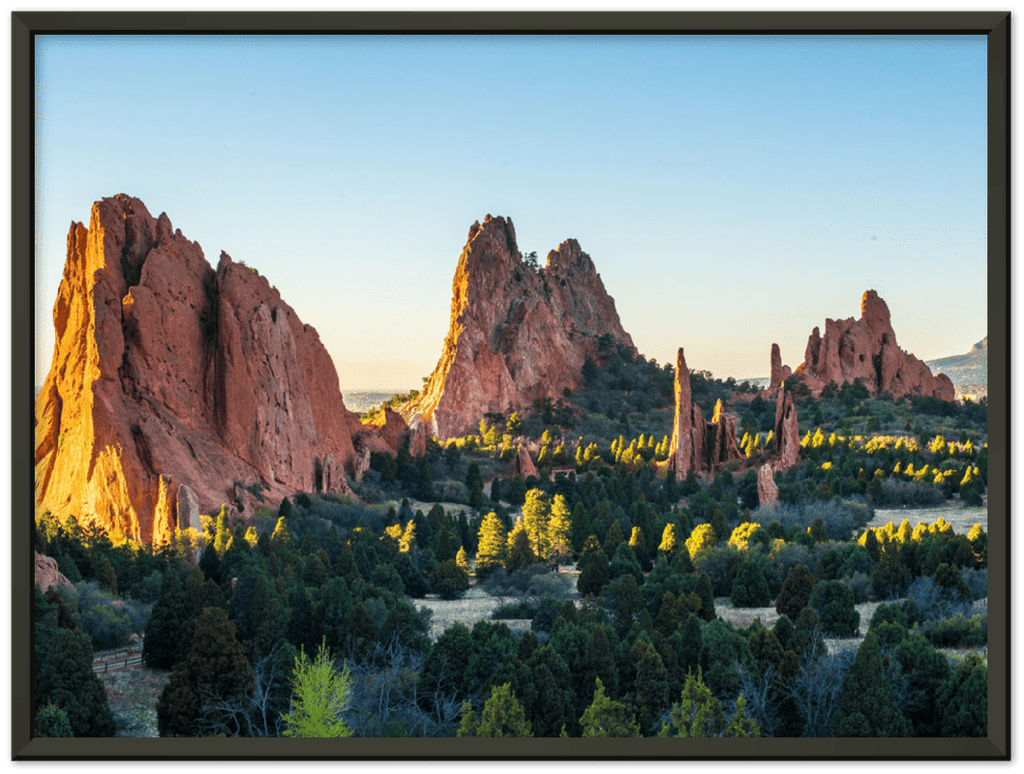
[732, 191]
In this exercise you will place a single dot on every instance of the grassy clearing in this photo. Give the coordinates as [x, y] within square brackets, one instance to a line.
[132, 695]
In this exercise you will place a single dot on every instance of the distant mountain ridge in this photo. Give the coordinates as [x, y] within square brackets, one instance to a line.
[968, 371]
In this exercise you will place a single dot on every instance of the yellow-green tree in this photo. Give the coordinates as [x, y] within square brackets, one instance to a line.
[559, 527]
[320, 696]
[536, 515]
[491, 548]
[701, 539]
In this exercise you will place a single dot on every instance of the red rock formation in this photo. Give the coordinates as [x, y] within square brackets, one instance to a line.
[696, 445]
[516, 334]
[47, 573]
[780, 372]
[171, 381]
[786, 432]
[866, 350]
[767, 489]
[392, 428]
[522, 465]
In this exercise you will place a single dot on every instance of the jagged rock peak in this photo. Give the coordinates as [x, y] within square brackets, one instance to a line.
[171, 381]
[518, 331]
[865, 350]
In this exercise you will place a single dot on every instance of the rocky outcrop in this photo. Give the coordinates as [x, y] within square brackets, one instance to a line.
[517, 333]
[779, 372]
[392, 428]
[865, 350]
[767, 489]
[703, 447]
[786, 432]
[522, 465]
[47, 573]
[172, 381]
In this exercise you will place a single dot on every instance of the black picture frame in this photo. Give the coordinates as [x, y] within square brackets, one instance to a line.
[999, 749]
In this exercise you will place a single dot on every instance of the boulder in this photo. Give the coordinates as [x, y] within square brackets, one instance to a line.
[47, 573]
[517, 333]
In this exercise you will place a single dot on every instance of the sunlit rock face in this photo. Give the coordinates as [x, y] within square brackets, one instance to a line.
[172, 382]
[865, 350]
[516, 333]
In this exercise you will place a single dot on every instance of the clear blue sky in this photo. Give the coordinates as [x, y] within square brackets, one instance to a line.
[733, 192]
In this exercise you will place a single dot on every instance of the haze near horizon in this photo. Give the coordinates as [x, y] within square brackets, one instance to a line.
[732, 192]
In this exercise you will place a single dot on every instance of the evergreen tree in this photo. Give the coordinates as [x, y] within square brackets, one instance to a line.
[669, 541]
[866, 703]
[691, 644]
[106, 577]
[449, 580]
[67, 681]
[162, 646]
[491, 547]
[796, 591]
[651, 683]
[282, 536]
[698, 713]
[520, 552]
[963, 700]
[536, 515]
[833, 602]
[215, 665]
[608, 718]
[613, 539]
[223, 537]
[749, 588]
[559, 529]
[599, 663]
[593, 566]
[52, 721]
[701, 539]
[503, 715]
[320, 696]
[739, 724]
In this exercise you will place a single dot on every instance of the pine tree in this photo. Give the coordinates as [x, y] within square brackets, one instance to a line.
[520, 552]
[320, 696]
[215, 664]
[469, 724]
[599, 663]
[52, 721]
[162, 646]
[698, 713]
[613, 539]
[701, 539]
[669, 541]
[593, 566]
[739, 724]
[282, 535]
[68, 682]
[866, 703]
[559, 529]
[796, 591]
[536, 515]
[491, 544]
[503, 715]
[651, 683]
[608, 718]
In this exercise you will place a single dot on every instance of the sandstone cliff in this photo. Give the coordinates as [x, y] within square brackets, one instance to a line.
[172, 381]
[516, 334]
[866, 350]
[703, 447]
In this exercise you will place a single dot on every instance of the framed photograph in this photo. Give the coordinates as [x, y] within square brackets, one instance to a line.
[755, 187]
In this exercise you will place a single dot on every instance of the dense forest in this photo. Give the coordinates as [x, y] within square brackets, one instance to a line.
[308, 620]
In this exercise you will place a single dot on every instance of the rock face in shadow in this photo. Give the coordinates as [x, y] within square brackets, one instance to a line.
[172, 381]
[516, 333]
[865, 350]
[786, 432]
[47, 573]
[779, 372]
[703, 447]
